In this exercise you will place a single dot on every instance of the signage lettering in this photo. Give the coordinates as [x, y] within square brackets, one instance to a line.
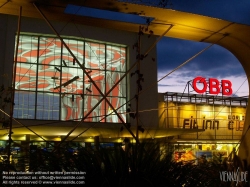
[214, 86]
[226, 85]
[191, 123]
[209, 122]
[238, 123]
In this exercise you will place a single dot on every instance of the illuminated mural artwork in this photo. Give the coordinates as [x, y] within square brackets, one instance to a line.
[45, 68]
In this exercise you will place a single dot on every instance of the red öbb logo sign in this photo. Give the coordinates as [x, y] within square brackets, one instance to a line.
[215, 87]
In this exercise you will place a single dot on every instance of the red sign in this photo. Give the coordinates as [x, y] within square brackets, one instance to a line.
[213, 85]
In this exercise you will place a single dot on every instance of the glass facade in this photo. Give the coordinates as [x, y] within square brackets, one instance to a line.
[219, 122]
[221, 118]
[45, 68]
[197, 152]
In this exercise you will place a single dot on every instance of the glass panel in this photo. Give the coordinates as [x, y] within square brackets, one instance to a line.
[24, 105]
[71, 107]
[94, 56]
[121, 110]
[27, 49]
[77, 48]
[112, 79]
[48, 80]
[72, 80]
[25, 76]
[47, 106]
[116, 59]
[98, 114]
[99, 78]
[49, 53]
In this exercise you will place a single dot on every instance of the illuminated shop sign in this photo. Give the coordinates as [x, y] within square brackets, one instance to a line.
[213, 86]
[233, 120]
[217, 121]
[200, 156]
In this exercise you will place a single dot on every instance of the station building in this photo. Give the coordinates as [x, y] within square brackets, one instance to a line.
[88, 79]
[221, 118]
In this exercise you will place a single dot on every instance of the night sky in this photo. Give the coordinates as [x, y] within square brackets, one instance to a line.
[216, 62]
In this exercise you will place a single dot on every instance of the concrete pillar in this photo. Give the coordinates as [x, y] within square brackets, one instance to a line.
[88, 145]
[97, 142]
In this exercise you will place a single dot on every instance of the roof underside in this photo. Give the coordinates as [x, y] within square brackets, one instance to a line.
[104, 131]
[185, 25]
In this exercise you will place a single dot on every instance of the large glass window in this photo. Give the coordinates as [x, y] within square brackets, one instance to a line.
[45, 65]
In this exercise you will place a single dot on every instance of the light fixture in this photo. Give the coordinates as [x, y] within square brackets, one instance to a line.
[89, 71]
[126, 140]
[58, 69]
[63, 95]
[64, 63]
[70, 81]
[57, 87]
[88, 89]
[141, 129]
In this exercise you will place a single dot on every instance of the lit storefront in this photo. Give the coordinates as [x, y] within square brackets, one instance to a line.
[222, 119]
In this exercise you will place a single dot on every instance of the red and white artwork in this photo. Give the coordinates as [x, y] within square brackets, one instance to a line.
[44, 65]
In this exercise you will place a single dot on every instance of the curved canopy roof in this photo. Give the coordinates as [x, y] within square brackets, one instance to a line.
[185, 25]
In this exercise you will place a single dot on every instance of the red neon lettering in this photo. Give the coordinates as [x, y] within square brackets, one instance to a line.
[200, 80]
[214, 86]
[226, 87]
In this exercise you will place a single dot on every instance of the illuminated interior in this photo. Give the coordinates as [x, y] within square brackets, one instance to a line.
[45, 68]
[202, 151]
[221, 117]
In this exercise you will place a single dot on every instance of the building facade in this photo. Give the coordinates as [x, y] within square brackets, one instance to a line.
[222, 119]
[54, 92]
